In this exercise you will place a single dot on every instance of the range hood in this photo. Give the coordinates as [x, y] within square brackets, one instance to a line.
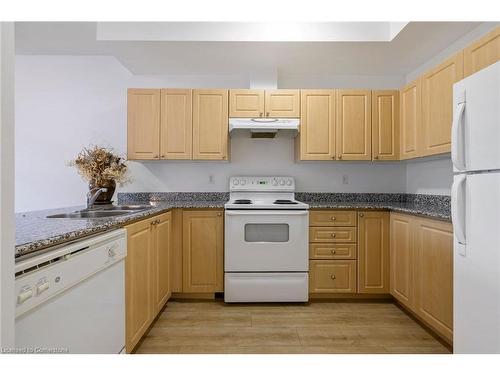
[265, 127]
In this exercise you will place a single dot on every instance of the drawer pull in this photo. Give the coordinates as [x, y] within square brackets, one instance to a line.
[333, 218]
[332, 251]
[332, 277]
[333, 235]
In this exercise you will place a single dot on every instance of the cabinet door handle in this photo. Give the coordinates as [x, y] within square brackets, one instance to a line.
[332, 251]
[219, 214]
[333, 218]
[267, 114]
[375, 157]
[333, 235]
[261, 114]
[333, 157]
[332, 277]
[339, 156]
[361, 215]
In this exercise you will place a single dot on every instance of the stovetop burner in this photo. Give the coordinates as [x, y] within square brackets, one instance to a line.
[242, 201]
[284, 201]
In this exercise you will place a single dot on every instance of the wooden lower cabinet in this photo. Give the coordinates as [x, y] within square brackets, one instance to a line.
[335, 234]
[147, 285]
[202, 251]
[434, 275]
[402, 250]
[332, 276]
[162, 240]
[332, 251]
[373, 252]
[422, 269]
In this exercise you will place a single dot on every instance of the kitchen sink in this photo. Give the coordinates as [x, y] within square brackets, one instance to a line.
[91, 214]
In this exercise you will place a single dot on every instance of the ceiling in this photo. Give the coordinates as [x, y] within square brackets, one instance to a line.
[416, 43]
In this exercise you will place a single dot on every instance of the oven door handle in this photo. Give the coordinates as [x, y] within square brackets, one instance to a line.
[264, 212]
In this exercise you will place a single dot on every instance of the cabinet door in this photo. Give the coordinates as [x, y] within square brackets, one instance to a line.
[411, 120]
[385, 125]
[402, 252]
[332, 276]
[176, 124]
[434, 275]
[202, 259]
[138, 282]
[317, 125]
[437, 105]
[282, 103]
[143, 124]
[354, 125]
[210, 125]
[373, 252]
[246, 103]
[482, 53]
[161, 261]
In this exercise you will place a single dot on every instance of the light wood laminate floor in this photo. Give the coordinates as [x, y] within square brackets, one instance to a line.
[318, 327]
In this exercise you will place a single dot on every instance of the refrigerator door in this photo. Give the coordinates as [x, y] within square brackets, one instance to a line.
[477, 263]
[476, 121]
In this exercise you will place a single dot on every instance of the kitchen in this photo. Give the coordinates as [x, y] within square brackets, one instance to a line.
[254, 208]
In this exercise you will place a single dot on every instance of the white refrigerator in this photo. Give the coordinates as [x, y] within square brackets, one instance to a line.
[475, 206]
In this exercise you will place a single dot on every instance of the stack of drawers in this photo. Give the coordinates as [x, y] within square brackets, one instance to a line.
[332, 251]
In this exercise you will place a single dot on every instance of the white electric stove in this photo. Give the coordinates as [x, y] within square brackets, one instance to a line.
[266, 241]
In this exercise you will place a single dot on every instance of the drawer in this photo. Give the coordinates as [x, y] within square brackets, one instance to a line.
[332, 276]
[328, 234]
[332, 251]
[330, 218]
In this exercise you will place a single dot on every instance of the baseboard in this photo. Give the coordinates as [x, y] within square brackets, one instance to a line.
[348, 296]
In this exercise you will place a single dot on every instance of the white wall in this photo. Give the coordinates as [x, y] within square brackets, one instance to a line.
[429, 176]
[64, 103]
[6, 185]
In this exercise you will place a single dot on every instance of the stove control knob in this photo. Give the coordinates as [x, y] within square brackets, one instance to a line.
[236, 182]
[289, 182]
[282, 182]
[243, 182]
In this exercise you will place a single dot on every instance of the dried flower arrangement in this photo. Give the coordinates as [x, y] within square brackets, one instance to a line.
[99, 165]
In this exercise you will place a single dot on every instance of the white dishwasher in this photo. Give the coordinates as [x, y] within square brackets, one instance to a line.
[71, 299]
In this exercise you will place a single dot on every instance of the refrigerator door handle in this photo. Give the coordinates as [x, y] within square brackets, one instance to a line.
[457, 216]
[456, 154]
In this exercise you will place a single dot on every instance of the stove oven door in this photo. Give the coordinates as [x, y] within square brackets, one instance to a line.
[266, 241]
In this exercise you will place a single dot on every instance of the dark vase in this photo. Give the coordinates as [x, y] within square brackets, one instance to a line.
[107, 196]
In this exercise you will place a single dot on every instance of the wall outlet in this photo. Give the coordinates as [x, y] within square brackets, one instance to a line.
[211, 179]
[345, 179]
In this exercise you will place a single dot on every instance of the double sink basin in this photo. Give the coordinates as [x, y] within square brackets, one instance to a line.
[101, 212]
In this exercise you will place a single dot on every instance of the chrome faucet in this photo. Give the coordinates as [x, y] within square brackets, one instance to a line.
[92, 196]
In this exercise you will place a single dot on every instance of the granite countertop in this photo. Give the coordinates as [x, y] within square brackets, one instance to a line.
[34, 232]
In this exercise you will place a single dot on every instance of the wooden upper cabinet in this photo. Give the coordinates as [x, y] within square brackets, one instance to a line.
[354, 125]
[202, 256]
[385, 125]
[437, 105]
[162, 239]
[246, 103]
[434, 275]
[282, 103]
[138, 282]
[402, 233]
[143, 124]
[484, 52]
[411, 120]
[317, 125]
[176, 124]
[373, 252]
[210, 125]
